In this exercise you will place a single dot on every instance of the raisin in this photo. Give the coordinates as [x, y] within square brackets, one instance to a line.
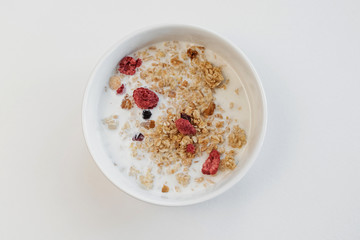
[146, 114]
[138, 137]
[185, 116]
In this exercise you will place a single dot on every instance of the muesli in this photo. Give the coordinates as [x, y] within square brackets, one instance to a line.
[179, 124]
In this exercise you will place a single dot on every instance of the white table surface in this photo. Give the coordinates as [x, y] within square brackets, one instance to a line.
[304, 185]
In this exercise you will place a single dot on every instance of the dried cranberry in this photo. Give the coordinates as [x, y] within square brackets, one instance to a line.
[138, 137]
[128, 65]
[211, 165]
[120, 90]
[190, 148]
[185, 127]
[185, 116]
[145, 98]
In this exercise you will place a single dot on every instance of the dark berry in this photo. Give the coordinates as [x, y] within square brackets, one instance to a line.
[146, 114]
[138, 137]
[185, 116]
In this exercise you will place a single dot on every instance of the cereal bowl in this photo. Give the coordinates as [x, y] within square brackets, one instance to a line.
[247, 77]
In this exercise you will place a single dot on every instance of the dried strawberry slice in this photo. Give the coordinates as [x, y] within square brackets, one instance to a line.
[128, 65]
[185, 127]
[211, 165]
[145, 98]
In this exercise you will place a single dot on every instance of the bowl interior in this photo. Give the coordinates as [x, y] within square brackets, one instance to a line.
[237, 60]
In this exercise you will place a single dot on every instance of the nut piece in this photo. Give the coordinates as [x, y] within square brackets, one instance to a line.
[115, 82]
[192, 53]
[126, 102]
[237, 137]
[148, 124]
[210, 110]
[165, 189]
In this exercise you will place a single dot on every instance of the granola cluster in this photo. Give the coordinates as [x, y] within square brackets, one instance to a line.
[237, 137]
[191, 123]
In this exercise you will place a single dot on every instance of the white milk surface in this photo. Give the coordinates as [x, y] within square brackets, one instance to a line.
[118, 146]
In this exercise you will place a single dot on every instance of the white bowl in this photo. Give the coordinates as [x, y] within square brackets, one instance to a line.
[133, 42]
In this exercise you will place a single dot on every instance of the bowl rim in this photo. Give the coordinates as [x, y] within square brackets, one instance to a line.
[257, 147]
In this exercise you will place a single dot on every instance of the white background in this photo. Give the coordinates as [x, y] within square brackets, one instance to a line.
[305, 183]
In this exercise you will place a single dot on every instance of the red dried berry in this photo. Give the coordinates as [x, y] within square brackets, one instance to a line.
[211, 165]
[138, 62]
[128, 65]
[145, 98]
[138, 137]
[190, 148]
[120, 90]
[185, 127]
